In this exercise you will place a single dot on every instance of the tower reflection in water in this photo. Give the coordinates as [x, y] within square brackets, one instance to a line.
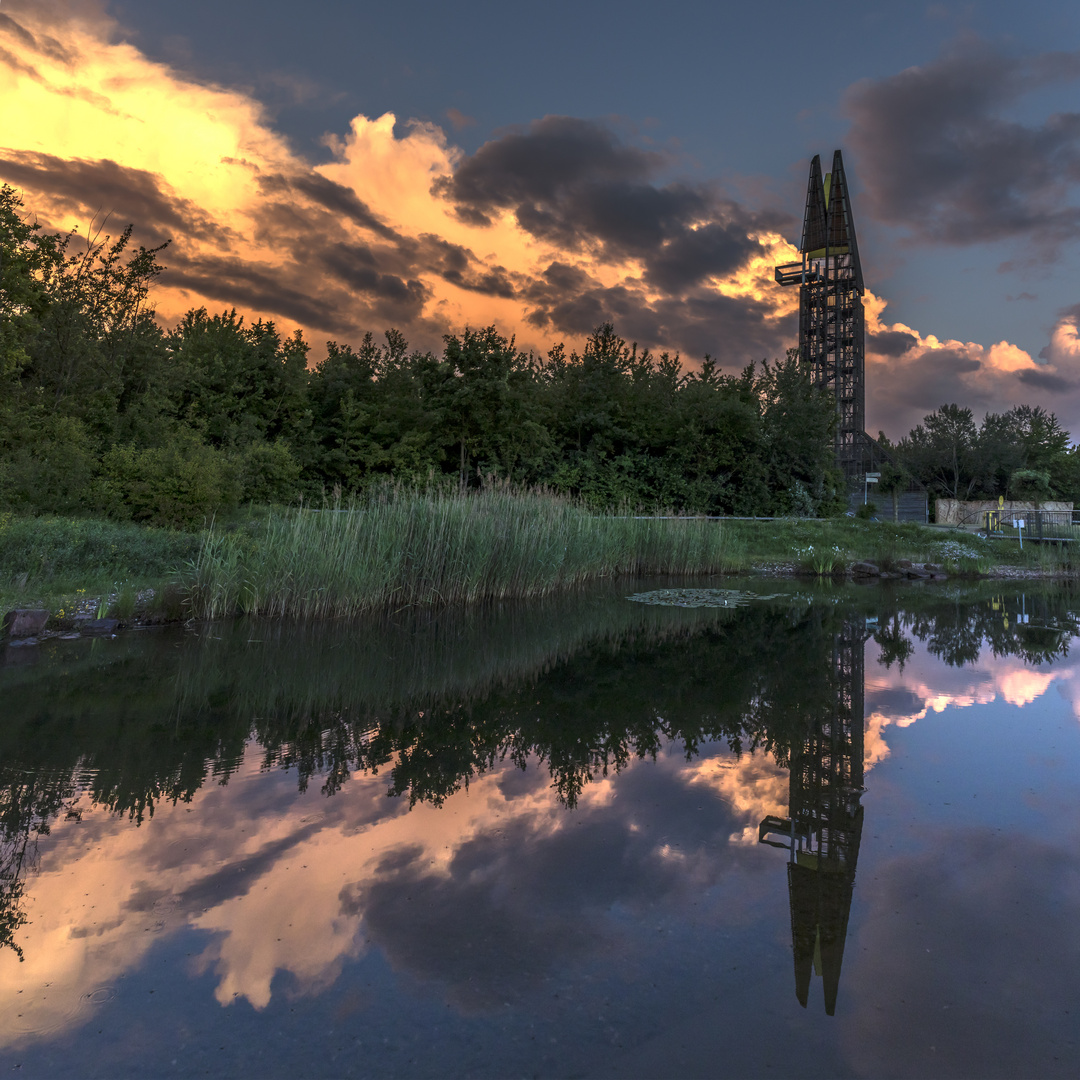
[824, 825]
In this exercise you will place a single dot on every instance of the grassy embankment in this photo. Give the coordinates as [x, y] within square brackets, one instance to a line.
[412, 549]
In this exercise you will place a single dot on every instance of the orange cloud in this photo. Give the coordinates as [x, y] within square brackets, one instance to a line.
[363, 242]
[402, 229]
[935, 688]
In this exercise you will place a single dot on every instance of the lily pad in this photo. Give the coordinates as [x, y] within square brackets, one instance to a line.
[698, 598]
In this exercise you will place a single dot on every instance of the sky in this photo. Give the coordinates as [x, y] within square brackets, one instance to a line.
[341, 168]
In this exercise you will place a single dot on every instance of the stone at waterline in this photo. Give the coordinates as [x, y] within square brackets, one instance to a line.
[99, 626]
[903, 564]
[865, 569]
[25, 622]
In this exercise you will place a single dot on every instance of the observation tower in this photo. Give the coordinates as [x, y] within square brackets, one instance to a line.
[832, 329]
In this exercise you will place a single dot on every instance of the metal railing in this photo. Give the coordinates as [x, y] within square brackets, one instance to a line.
[1056, 525]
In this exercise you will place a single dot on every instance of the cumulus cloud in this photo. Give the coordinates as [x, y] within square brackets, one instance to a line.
[940, 156]
[910, 374]
[546, 231]
[1064, 345]
[967, 988]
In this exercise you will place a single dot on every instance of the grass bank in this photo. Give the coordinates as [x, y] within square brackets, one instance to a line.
[827, 547]
[403, 549]
[56, 562]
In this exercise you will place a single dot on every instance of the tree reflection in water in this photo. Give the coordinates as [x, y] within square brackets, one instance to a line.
[583, 685]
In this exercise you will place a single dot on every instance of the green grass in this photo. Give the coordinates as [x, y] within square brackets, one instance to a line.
[824, 547]
[405, 548]
[50, 561]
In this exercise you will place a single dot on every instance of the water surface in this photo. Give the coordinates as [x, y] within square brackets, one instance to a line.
[788, 831]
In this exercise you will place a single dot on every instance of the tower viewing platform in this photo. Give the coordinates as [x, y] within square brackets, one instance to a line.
[832, 323]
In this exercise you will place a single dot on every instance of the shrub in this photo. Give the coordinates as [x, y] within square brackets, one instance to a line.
[177, 486]
[268, 473]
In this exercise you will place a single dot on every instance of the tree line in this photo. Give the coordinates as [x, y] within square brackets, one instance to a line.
[105, 411]
[1023, 454]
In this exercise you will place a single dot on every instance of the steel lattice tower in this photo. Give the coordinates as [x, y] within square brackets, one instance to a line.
[832, 332]
[824, 824]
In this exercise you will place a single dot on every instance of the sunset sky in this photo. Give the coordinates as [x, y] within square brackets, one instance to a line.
[345, 167]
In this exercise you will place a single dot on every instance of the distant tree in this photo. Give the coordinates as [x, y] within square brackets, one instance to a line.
[1029, 485]
[941, 452]
[893, 481]
[799, 419]
[955, 459]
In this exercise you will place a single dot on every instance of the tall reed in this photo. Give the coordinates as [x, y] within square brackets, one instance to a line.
[403, 548]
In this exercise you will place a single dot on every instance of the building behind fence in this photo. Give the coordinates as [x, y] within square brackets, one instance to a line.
[960, 512]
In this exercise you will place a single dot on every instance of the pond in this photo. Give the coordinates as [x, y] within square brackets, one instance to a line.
[748, 828]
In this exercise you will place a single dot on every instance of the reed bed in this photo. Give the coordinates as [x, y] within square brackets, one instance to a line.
[407, 548]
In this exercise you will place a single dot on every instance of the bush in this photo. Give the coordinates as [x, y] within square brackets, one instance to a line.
[268, 473]
[176, 486]
[49, 467]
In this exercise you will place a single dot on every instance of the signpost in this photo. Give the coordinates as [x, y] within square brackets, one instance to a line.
[868, 479]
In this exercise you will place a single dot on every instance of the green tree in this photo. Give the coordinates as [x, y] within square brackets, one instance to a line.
[799, 420]
[894, 480]
[942, 452]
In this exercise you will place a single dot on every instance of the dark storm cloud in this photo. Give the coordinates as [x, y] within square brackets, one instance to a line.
[354, 265]
[692, 255]
[939, 156]
[13, 62]
[89, 188]
[574, 183]
[458, 265]
[339, 200]
[520, 901]
[249, 286]
[43, 43]
[892, 343]
[537, 167]
[1045, 380]
[566, 300]
[972, 948]
[934, 377]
